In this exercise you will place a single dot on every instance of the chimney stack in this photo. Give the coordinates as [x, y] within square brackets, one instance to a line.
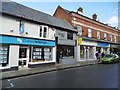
[80, 10]
[94, 17]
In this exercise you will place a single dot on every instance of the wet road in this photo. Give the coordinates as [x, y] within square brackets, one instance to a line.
[95, 76]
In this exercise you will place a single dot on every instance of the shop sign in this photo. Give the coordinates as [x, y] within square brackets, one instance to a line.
[25, 41]
[114, 46]
[79, 40]
[103, 44]
[89, 43]
[61, 34]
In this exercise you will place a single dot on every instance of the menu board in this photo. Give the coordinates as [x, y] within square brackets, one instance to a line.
[3, 54]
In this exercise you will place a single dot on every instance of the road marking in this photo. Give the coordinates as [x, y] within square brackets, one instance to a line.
[11, 85]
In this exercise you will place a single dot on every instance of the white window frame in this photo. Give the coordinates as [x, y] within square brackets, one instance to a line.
[89, 32]
[98, 34]
[110, 37]
[47, 34]
[105, 36]
[115, 38]
[79, 28]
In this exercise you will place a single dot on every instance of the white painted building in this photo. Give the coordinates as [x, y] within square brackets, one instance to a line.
[27, 36]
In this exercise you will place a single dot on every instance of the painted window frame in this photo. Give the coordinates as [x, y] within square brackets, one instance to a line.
[98, 34]
[39, 54]
[5, 64]
[115, 38]
[110, 37]
[42, 32]
[105, 36]
[79, 28]
[89, 32]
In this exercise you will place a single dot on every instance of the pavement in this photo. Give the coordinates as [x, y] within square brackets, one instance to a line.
[31, 71]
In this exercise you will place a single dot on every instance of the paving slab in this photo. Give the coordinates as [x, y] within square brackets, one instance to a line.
[31, 71]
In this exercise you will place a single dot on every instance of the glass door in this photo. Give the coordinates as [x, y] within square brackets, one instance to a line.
[23, 56]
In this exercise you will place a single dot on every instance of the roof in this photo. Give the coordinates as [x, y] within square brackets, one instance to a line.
[16, 9]
[87, 18]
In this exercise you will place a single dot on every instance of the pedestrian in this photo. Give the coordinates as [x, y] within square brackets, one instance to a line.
[103, 54]
[96, 55]
[99, 57]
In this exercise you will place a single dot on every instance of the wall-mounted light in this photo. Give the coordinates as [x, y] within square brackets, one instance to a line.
[11, 30]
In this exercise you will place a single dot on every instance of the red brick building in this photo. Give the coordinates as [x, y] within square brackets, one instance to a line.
[95, 34]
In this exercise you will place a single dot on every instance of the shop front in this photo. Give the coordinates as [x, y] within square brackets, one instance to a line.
[114, 48]
[103, 47]
[86, 50]
[66, 47]
[22, 52]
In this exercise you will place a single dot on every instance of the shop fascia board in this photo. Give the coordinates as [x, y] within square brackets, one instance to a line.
[96, 40]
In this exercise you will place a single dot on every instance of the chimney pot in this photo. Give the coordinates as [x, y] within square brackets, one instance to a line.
[94, 17]
[80, 9]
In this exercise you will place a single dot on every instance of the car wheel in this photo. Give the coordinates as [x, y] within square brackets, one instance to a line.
[113, 62]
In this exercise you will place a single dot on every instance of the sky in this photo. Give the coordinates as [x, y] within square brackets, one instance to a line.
[107, 12]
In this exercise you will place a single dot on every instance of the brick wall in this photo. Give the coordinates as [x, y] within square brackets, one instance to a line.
[61, 13]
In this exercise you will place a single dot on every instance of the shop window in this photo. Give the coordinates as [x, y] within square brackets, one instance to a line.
[69, 35]
[41, 54]
[90, 52]
[43, 31]
[98, 34]
[66, 51]
[81, 51]
[89, 32]
[3, 55]
[79, 28]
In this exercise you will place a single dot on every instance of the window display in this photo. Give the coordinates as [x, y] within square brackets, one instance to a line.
[41, 54]
[4, 55]
[90, 52]
[81, 51]
[65, 51]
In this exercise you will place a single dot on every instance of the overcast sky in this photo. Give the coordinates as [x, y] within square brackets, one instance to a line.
[107, 11]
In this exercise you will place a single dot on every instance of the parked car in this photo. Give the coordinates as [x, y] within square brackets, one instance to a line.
[110, 58]
[118, 53]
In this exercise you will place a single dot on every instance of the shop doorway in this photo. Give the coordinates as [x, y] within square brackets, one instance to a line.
[23, 56]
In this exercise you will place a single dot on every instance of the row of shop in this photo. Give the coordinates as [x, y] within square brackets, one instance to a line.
[33, 39]
[17, 52]
[20, 52]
